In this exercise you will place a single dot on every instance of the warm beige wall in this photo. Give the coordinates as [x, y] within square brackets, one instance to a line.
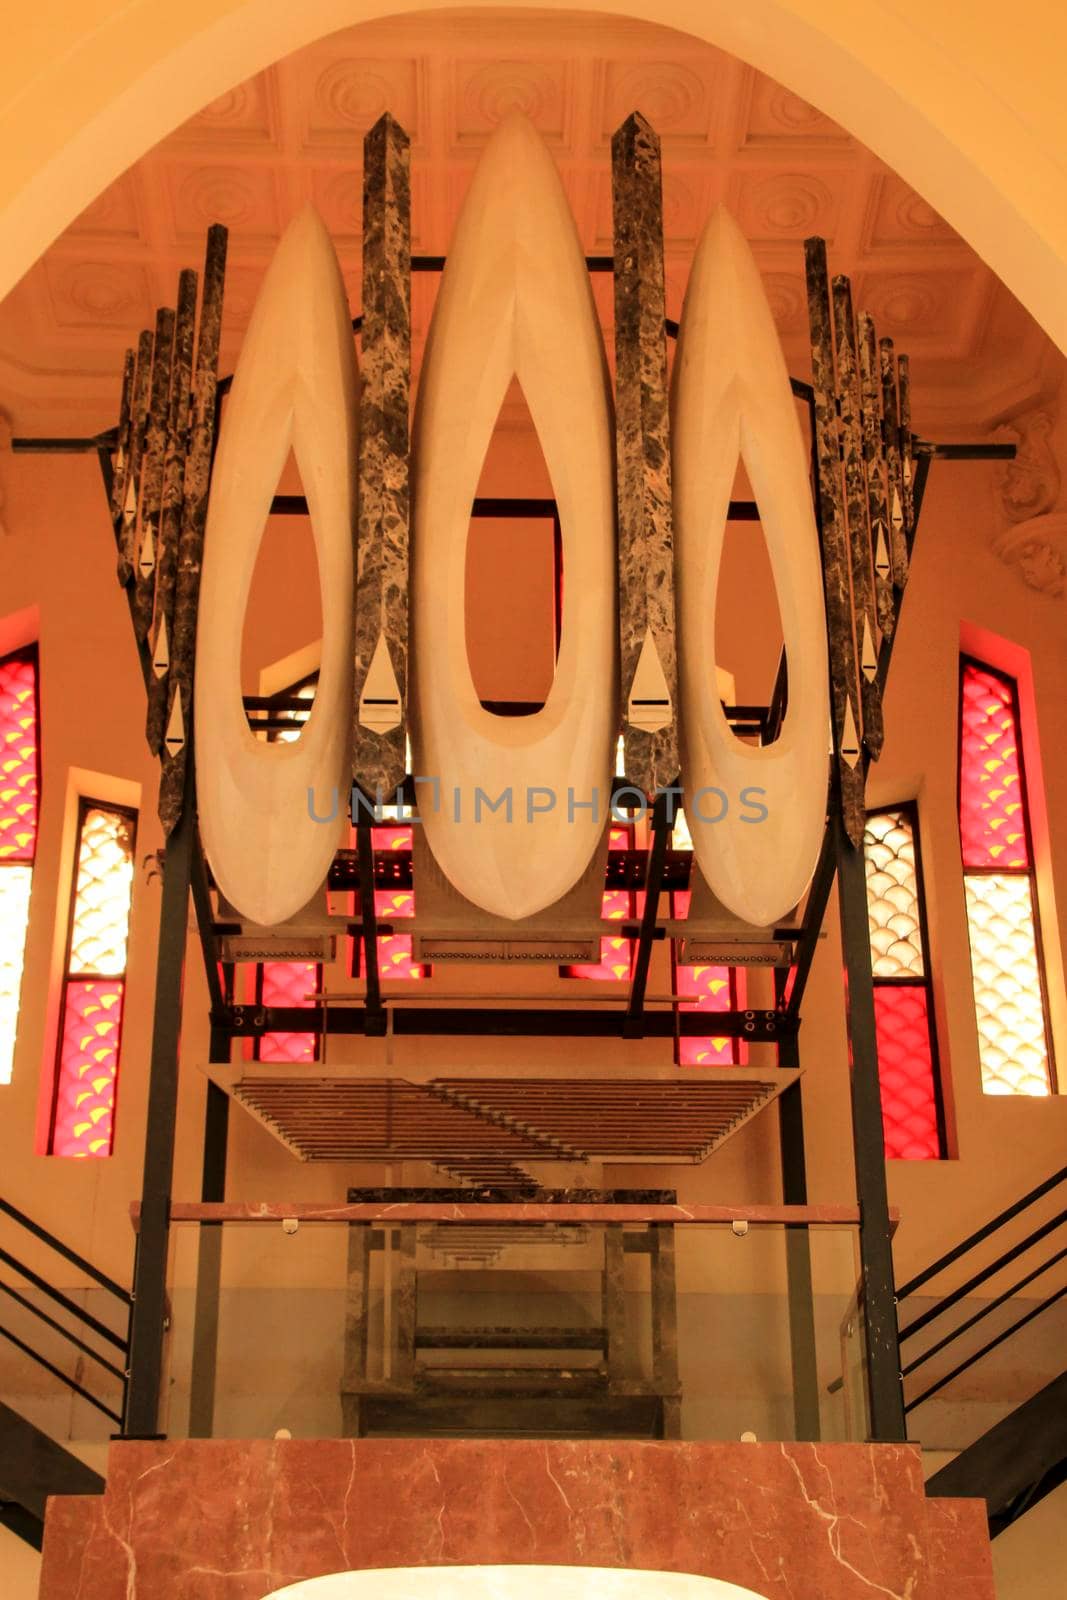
[961, 97]
[59, 557]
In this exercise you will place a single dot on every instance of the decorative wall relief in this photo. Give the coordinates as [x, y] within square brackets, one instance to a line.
[1034, 544]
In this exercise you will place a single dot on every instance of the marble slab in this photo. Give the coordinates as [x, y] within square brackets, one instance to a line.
[379, 760]
[647, 645]
[236, 1520]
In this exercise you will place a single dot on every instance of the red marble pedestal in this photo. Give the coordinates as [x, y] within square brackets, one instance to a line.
[234, 1520]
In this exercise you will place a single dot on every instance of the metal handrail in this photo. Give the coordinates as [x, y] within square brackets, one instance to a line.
[984, 1351]
[63, 1377]
[63, 1300]
[955, 1296]
[79, 1314]
[981, 1233]
[975, 1282]
[65, 1251]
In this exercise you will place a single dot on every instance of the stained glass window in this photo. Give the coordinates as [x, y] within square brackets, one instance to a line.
[706, 986]
[19, 805]
[287, 983]
[616, 905]
[395, 903]
[1009, 988]
[90, 1026]
[912, 1121]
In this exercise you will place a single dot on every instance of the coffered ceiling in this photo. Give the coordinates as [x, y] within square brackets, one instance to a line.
[294, 134]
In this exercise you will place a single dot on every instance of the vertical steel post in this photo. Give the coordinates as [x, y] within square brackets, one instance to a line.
[802, 1347]
[147, 1320]
[885, 1391]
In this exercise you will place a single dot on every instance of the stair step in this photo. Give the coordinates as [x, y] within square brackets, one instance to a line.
[511, 1338]
[489, 1382]
[33, 1466]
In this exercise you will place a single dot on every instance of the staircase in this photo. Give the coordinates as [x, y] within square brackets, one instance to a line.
[1023, 1457]
[32, 1467]
[32, 1464]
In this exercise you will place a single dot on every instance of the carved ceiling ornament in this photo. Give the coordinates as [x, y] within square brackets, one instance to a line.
[1030, 486]
[1034, 545]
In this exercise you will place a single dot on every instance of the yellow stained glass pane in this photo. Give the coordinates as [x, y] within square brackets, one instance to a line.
[893, 910]
[1008, 1001]
[14, 916]
[104, 884]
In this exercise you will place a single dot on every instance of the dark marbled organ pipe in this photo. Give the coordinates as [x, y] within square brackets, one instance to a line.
[178, 422]
[898, 538]
[178, 727]
[836, 565]
[855, 506]
[874, 455]
[379, 755]
[643, 459]
[122, 443]
[147, 541]
[131, 488]
[907, 456]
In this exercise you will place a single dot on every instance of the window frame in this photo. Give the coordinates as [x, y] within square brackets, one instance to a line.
[31, 654]
[909, 809]
[87, 803]
[1011, 681]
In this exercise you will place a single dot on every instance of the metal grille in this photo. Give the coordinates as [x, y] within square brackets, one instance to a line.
[101, 918]
[992, 810]
[89, 1056]
[1008, 997]
[906, 1073]
[893, 896]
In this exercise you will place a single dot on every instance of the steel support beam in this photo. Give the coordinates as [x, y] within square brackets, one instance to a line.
[149, 1313]
[885, 1392]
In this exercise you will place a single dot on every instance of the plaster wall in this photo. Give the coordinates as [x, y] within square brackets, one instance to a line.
[58, 560]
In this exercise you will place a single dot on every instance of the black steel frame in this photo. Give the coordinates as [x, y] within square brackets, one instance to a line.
[185, 874]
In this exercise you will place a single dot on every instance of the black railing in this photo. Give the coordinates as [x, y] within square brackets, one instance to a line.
[85, 1322]
[1045, 1231]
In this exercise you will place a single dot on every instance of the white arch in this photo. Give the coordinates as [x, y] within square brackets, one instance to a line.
[969, 111]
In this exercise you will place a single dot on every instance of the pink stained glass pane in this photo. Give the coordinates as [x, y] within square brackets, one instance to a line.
[390, 905]
[617, 905]
[906, 1073]
[18, 758]
[992, 815]
[90, 1030]
[288, 983]
[707, 988]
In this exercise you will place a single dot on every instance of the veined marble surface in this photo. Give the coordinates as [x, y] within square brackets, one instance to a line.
[512, 1583]
[235, 1519]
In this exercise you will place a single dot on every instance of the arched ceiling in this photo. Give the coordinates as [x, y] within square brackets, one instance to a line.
[293, 133]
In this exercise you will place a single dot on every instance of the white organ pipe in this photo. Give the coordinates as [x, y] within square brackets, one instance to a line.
[731, 396]
[296, 386]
